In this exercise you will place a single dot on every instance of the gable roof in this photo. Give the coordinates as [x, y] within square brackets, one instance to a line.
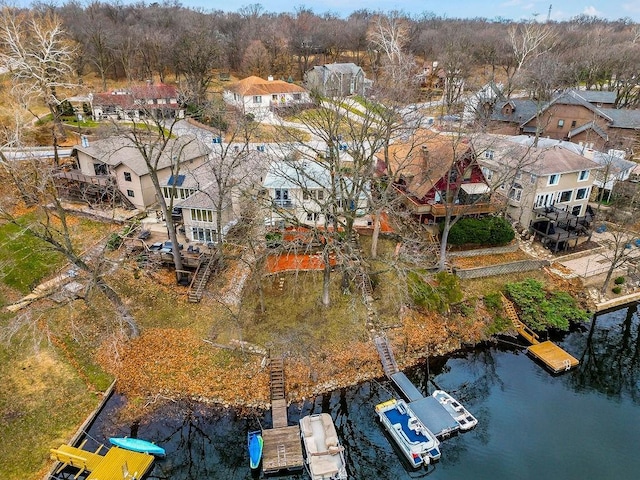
[522, 109]
[548, 158]
[126, 98]
[342, 68]
[425, 162]
[597, 96]
[115, 151]
[258, 86]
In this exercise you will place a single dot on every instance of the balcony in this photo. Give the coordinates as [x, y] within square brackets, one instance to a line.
[440, 210]
[286, 204]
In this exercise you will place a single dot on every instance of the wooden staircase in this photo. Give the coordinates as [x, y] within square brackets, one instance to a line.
[523, 330]
[277, 378]
[200, 279]
[389, 364]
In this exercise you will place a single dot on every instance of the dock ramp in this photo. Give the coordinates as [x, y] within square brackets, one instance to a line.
[389, 364]
[405, 387]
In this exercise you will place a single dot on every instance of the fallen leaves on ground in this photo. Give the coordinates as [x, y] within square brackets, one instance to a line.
[487, 260]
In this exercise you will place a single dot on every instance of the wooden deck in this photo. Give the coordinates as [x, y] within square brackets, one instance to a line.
[282, 449]
[113, 465]
[551, 355]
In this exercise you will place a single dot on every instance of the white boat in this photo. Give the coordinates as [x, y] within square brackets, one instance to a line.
[325, 455]
[416, 441]
[456, 410]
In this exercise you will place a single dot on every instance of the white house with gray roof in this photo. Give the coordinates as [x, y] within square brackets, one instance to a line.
[301, 192]
[121, 159]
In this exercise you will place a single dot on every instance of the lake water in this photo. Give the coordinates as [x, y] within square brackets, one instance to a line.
[583, 424]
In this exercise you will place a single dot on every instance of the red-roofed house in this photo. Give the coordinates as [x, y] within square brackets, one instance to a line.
[135, 102]
[258, 96]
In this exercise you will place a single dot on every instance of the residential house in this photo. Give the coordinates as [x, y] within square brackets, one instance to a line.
[534, 178]
[436, 174]
[336, 80]
[133, 103]
[614, 167]
[118, 160]
[574, 115]
[258, 96]
[299, 192]
[196, 193]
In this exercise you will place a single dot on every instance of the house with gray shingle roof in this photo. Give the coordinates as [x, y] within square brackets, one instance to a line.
[336, 80]
[121, 160]
[583, 117]
[532, 177]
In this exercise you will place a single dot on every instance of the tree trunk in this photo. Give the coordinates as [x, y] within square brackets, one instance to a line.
[120, 307]
[442, 263]
[376, 234]
[326, 278]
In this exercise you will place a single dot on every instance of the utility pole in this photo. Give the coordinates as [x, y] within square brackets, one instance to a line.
[549, 14]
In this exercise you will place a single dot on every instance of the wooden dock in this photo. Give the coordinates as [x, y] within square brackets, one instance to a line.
[551, 355]
[389, 364]
[115, 464]
[282, 449]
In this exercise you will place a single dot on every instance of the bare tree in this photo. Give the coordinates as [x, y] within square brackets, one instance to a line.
[35, 50]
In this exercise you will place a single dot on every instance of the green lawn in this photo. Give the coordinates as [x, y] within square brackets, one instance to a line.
[42, 403]
[24, 259]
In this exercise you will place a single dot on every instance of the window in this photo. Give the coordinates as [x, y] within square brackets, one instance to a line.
[488, 173]
[257, 99]
[320, 194]
[201, 215]
[130, 193]
[313, 216]
[583, 175]
[573, 124]
[127, 176]
[560, 123]
[577, 210]
[199, 234]
[297, 97]
[581, 193]
[554, 179]
[533, 179]
[306, 195]
[274, 97]
[565, 196]
[100, 169]
[488, 154]
[515, 193]
[282, 197]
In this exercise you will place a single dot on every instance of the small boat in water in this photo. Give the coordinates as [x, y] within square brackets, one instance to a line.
[416, 441]
[456, 410]
[255, 444]
[325, 456]
[137, 445]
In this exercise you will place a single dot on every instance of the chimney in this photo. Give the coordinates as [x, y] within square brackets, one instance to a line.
[425, 152]
[270, 78]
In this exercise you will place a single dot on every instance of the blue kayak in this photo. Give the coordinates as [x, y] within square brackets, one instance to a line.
[137, 445]
[255, 442]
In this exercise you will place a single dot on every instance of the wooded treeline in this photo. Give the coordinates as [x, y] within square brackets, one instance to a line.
[140, 41]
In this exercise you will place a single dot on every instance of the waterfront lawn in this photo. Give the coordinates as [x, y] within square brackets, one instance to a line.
[42, 403]
[294, 318]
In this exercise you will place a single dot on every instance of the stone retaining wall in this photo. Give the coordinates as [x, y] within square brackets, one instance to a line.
[485, 251]
[501, 269]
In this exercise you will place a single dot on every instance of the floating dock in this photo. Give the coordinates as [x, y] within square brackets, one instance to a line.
[117, 463]
[429, 410]
[552, 356]
[282, 449]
